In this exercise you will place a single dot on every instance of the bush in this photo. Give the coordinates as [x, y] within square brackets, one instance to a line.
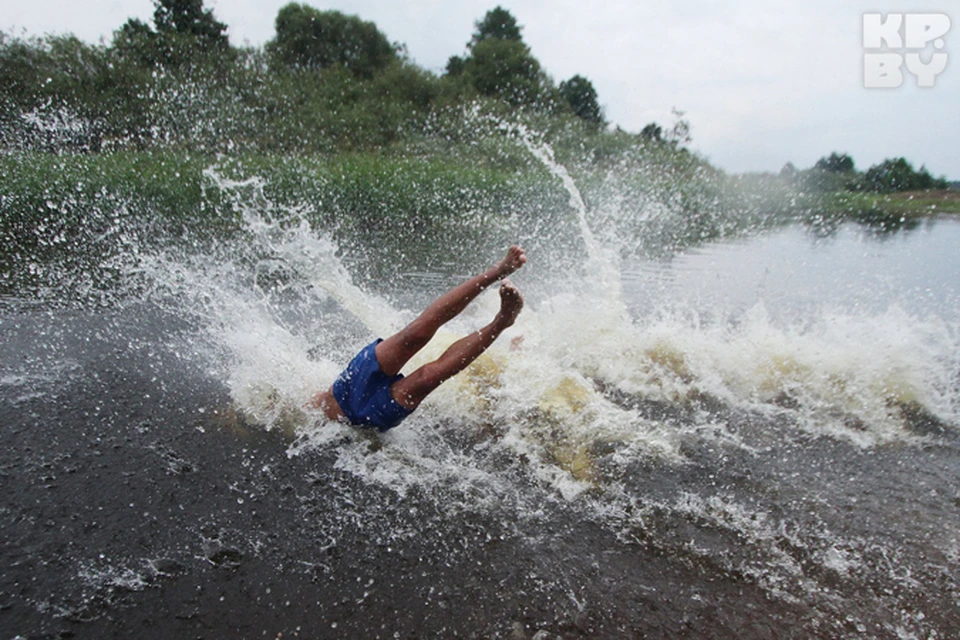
[897, 174]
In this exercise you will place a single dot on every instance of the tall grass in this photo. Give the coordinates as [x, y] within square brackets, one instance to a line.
[63, 217]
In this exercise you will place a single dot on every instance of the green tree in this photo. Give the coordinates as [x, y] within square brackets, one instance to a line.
[185, 32]
[897, 174]
[189, 18]
[836, 163]
[307, 38]
[498, 24]
[498, 64]
[579, 93]
[505, 69]
[455, 66]
[74, 93]
[652, 131]
[135, 41]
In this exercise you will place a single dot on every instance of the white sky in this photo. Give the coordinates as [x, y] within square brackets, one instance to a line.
[762, 82]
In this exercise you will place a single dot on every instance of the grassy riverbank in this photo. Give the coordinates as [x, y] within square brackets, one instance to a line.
[61, 212]
[910, 204]
[658, 198]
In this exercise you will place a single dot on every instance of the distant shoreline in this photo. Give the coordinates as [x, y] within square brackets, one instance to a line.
[912, 204]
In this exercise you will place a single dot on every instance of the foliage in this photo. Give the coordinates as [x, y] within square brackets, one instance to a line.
[326, 82]
[135, 41]
[505, 69]
[307, 38]
[455, 66]
[332, 84]
[652, 131]
[836, 163]
[185, 33]
[60, 92]
[579, 93]
[497, 24]
[188, 17]
[499, 65]
[836, 174]
[819, 180]
[897, 174]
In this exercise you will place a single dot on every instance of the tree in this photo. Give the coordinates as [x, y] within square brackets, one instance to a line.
[897, 174]
[505, 69]
[185, 32]
[652, 131]
[455, 66]
[498, 64]
[789, 172]
[579, 93]
[311, 39]
[836, 163]
[890, 175]
[136, 41]
[189, 18]
[498, 24]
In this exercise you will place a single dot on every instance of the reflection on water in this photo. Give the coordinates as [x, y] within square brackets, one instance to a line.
[794, 272]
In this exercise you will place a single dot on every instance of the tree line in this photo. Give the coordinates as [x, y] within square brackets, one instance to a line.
[326, 81]
[837, 172]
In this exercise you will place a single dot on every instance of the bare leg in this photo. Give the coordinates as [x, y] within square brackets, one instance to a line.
[411, 390]
[395, 351]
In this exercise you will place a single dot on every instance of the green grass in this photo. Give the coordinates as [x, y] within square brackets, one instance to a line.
[910, 204]
[889, 212]
[63, 217]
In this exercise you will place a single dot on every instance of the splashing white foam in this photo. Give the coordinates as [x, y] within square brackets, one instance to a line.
[283, 315]
[568, 407]
[583, 359]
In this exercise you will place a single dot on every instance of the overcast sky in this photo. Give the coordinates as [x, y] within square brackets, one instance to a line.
[762, 82]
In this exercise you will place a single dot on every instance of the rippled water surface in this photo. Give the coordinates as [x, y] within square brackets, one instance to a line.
[754, 438]
[799, 270]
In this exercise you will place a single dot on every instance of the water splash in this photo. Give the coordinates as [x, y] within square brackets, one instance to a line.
[286, 313]
[602, 265]
[644, 420]
[708, 436]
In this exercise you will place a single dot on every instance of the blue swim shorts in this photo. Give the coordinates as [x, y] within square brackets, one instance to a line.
[363, 392]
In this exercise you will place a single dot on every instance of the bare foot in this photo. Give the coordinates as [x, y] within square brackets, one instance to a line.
[511, 302]
[514, 259]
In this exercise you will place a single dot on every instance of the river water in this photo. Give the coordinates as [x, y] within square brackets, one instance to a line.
[750, 438]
